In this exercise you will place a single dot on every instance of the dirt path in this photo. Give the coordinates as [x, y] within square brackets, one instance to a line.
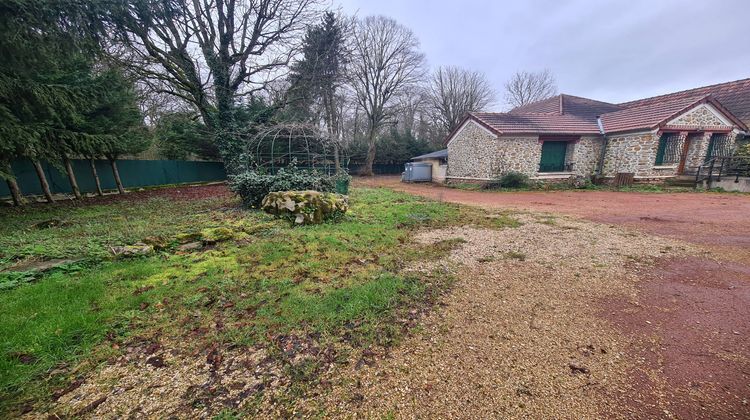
[683, 328]
[719, 220]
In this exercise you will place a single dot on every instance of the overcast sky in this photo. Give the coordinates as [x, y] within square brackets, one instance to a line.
[611, 50]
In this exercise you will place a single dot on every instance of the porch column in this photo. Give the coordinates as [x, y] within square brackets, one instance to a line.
[699, 150]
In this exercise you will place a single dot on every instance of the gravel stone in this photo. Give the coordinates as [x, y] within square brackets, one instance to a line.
[511, 330]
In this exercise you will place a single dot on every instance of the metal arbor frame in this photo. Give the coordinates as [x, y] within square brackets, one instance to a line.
[277, 146]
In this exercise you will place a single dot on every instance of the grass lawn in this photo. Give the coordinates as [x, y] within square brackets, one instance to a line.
[269, 279]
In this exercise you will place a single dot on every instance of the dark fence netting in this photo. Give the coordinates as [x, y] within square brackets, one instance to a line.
[134, 174]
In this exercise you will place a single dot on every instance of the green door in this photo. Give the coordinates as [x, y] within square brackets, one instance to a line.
[553, 156]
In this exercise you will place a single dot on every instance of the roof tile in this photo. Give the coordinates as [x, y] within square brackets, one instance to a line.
[734, 96]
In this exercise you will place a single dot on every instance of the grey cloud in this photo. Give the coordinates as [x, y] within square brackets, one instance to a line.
[613, 50]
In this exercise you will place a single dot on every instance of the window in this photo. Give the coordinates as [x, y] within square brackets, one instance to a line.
[670, 149]
[719, 146]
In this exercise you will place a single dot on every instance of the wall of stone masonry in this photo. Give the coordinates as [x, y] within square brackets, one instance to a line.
[634, 153]
[584, 154]
[700, 116]
[475, 153]
[637, 153]
[697, 150]
[519, 154]
[471, 152]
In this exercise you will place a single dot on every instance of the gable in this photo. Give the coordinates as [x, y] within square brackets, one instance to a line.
[704, 115]
[471, 128]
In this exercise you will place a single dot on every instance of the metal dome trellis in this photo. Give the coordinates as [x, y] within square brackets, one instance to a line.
[280, 145]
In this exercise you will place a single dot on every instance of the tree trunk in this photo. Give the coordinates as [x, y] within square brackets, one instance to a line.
[228, 143]
[336, 158]
[116, 173]
[43, 181]
[333, 128]
[71, 177]
[95, 174]
[15, 192]
[370, 160]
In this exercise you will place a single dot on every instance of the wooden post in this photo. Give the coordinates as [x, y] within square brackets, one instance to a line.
[95, 174]
[71, 177]
[116, 173]
[43, 181]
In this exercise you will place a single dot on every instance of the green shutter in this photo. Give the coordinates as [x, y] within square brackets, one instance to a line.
[711, 145]
[553, 156]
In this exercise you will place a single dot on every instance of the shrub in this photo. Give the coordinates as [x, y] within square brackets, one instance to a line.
[743, 152]
[253, 186]
[510, 180]
[306, 207]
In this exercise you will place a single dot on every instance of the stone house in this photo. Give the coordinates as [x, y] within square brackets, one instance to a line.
[569, 136]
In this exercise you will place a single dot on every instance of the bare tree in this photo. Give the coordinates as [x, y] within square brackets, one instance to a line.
[454, 91]
[385, 61]
[527, 87]
[210, 52]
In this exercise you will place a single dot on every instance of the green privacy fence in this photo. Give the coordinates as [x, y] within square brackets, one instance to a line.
[134, 173]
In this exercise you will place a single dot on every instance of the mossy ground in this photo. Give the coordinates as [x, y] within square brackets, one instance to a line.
[264, 279]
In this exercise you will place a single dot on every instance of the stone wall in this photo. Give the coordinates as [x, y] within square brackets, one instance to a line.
[475, 153]
[635, 153]
[697, 149]
[519, 154]
[584, 154]
[470, 152]
[700, 116]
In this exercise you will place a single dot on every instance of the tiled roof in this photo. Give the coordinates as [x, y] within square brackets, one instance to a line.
[567, 104]
[648, 115]
[568, 114]
[509, 123]
[734, 96]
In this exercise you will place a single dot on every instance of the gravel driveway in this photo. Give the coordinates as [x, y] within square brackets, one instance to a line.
[720, 220]
[642, 315]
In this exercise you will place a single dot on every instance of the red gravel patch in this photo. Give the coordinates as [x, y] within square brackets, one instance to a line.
[690, 330]
[703, 218]
[690, 323]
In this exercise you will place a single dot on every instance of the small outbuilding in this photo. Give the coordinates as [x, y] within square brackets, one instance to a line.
[439, 162]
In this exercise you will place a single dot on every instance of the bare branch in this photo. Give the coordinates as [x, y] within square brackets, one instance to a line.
[526, 87]
[454, 91]
[385, 61]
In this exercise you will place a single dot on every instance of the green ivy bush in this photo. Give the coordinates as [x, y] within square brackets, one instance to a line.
[252, 185]
[512, 180]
